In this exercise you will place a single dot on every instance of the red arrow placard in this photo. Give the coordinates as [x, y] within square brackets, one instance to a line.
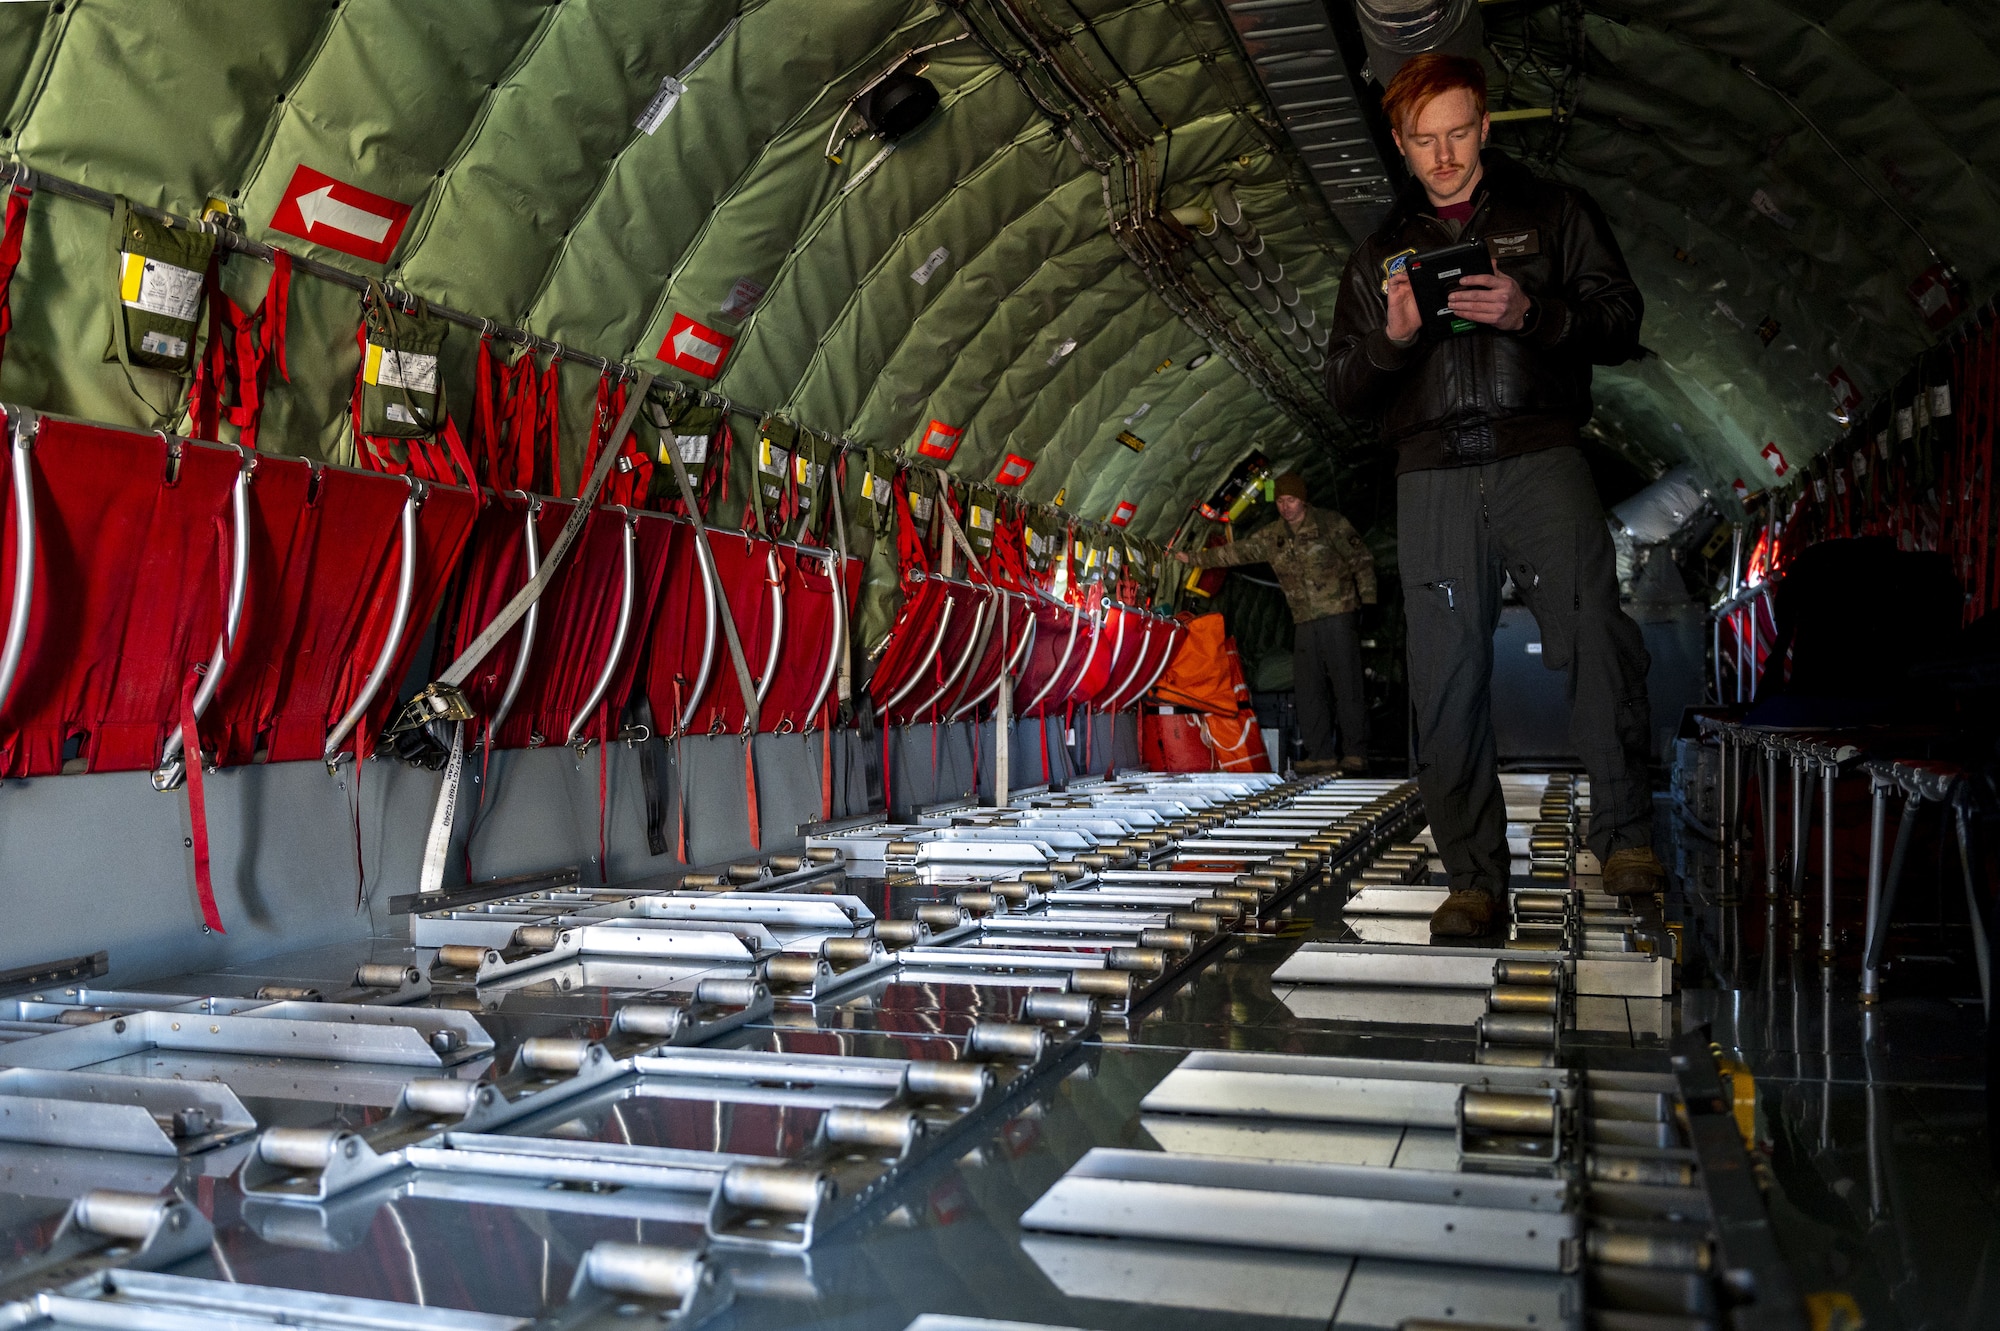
[940, 441]
[1123, 513]
[340, 216]
[694, 347]
[1014, 469]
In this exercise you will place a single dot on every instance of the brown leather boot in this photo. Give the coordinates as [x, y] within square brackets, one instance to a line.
[1353, 765]
[1634, 872]
[1463, 915]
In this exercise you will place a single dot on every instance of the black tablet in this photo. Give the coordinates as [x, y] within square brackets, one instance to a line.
[1435, 275]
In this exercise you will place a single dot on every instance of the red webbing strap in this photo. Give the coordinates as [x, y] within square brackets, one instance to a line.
[211, 370]
[632, 474]
[827, 764]
[204, 882]
[10, 254]
[551, 426]
[596, 439]
[1989, 584]
[454, 445]
[485, 421]
[680, 782]
[603, 812]
[910, 551]
[521, 388]
[259, 343]
[1043, 745]
[750, 790]
[354, 812]
[275, 313]
[887, 807]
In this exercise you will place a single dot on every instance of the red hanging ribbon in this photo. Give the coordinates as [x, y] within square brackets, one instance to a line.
[10, 253]
[603, 803]
[750, 790]
[204, 883]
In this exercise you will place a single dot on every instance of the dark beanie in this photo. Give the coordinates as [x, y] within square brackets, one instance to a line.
[1293, 484]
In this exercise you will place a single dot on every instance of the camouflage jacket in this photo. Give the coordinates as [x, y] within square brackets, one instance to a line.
[1321, 564]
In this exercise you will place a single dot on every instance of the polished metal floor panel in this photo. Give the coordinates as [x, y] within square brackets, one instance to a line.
[1875, 1124]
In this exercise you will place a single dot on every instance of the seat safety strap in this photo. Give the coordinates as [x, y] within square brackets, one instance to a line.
[510, 614]
[729, 633]
[437, 845]
[204, 881]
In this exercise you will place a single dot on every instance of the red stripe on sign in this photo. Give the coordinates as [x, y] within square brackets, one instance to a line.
[940, 441]
[340, 216]
[694, 347]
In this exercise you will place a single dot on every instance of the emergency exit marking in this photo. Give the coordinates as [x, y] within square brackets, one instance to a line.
[940, 441]
[1123, 513]
[694, 347]
[1014, 469]
[340, 216]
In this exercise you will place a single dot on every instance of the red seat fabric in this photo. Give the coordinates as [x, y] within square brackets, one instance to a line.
[577, 619]
[130, 569]
[131, 581]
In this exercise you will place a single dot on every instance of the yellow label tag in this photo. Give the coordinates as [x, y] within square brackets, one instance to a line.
[981, 517]
[131, 272]
[771, 458]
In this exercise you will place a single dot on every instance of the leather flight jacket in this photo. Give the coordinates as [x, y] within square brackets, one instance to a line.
[1479, 394]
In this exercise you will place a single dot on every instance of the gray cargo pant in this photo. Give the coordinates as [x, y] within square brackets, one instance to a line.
[1327, 682]
[1536, 517]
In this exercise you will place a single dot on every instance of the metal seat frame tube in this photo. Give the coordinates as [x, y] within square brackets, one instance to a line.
[169, 773]
[937, 645]
[1011, 667]
[25, 426]
[1968, 860]
[399, 622]
[1158, 670]
[1118, 699]
[1062, 663]
[1802, 779]
[836, 575]
[704, 559]
[1879, 787]
[972, 642]
[1768, 797]
[774, 578]
[1829, 772]
[532, 547]
[627, 593]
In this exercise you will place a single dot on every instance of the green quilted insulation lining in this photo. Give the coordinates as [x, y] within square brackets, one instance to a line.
[509, 126]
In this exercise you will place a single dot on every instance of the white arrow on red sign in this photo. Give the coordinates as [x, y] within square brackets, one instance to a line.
[694, 347]
[340, 216]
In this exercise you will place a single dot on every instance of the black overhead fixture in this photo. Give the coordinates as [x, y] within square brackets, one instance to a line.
[890, 106]
[903, 100]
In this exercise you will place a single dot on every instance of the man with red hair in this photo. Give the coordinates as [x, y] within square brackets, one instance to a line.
[1484, 405]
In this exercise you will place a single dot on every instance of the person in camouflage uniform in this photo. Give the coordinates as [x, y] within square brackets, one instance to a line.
[1327, 575]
